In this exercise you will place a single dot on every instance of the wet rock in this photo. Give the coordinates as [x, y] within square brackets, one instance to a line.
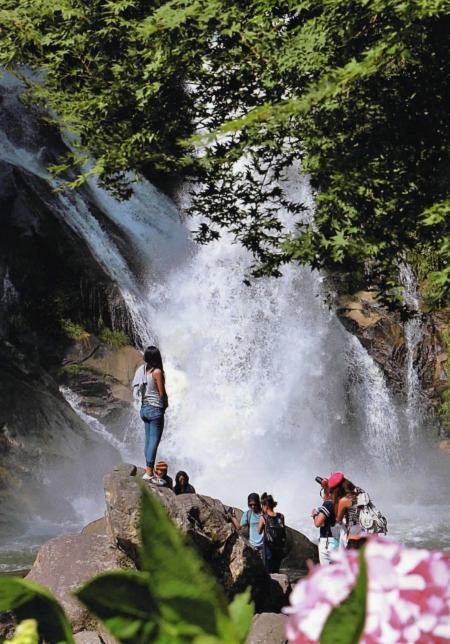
[268, 628]
[101, 375]
[382, 333]
[65, 563]
[48, 451]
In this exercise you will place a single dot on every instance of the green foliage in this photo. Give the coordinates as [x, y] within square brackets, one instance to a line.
[346, 622]
[115, 339]
[26, 633]
[74, 331]
[173, 599]
[29, 600]
[355, 92]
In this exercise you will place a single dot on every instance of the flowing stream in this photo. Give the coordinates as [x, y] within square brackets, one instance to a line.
[267, 389]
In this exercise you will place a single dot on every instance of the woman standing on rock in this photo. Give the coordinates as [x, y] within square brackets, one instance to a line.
[148, 386]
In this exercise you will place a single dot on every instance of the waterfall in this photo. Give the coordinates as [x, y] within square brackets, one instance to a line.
[415, 405]
[266, 388]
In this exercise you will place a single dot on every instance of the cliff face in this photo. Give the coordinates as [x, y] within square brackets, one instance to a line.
[395, 345]
[49, 280]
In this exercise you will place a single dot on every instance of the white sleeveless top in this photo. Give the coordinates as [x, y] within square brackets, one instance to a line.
[143, 380]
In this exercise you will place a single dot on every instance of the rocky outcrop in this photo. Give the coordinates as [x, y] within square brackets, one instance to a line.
[111, 542]
[100, 374]
[65, 563]
[48, 275]
[48, 454]
[204, 520]
[383, 334]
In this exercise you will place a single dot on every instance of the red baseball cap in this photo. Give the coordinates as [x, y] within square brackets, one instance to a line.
[335, 479]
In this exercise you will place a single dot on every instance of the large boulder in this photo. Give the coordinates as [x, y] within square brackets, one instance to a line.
[63, 564]
[204, 520]
[268, 628]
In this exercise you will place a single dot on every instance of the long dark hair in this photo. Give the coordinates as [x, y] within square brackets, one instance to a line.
[152, 357]
[343, 489]
[178, 487]
[268, 500]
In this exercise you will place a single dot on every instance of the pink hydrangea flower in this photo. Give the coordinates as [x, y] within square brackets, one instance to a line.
[408, 595]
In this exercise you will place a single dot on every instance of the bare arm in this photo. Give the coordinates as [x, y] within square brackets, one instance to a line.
[159, 380]
[236, 523]
[344, 504]
[319, 519]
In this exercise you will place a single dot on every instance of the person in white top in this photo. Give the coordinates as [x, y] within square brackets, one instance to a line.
[149, 387]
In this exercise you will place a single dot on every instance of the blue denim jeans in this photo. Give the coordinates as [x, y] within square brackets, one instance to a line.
[153, 418]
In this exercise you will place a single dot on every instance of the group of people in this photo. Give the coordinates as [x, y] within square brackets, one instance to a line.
[267, 530]
[338, 517]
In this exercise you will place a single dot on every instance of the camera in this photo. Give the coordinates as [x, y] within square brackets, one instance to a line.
[229, 514]
[319, 480]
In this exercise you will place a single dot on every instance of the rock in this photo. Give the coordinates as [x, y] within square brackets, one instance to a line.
[203, 519]
[278, 593]
[92, 637]
[65, 563]
[95, 527]
[382, 333]
[300, 551]
[47, 451]
[268, 628]
[101, 375]
[87, 637]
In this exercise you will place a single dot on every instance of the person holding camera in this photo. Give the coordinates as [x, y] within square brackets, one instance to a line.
[324, 518]
[251, 519]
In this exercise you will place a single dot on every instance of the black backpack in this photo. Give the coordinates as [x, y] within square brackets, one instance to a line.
[275, 531]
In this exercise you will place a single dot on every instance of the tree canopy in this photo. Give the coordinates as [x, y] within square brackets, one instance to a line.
[354, 93]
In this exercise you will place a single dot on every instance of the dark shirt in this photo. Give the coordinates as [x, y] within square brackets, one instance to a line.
[189, 489]
[168, 481]
[327, 509]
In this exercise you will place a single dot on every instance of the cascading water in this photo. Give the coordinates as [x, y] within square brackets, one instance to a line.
[415, 407]
[266, 388]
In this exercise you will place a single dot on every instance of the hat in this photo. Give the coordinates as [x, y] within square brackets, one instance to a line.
[335, 479]
[161, 465]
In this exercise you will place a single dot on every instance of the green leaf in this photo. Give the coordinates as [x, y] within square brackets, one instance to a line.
[188, 593]
[241, 612]
[124, 602]
[29, 600]
[26, 633]
[346, 622]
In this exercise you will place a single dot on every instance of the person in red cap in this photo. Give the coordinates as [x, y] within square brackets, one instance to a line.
[325, 519]
[344, 494]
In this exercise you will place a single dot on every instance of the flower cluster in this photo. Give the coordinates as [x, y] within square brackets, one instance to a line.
[408, 595]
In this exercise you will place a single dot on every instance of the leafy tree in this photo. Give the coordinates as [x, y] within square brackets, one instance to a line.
[355, 92]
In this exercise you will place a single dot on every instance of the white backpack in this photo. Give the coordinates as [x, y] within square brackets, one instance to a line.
[370, 519]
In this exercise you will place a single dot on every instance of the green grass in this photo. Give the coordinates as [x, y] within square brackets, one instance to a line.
[74, 331]
[115, 339]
